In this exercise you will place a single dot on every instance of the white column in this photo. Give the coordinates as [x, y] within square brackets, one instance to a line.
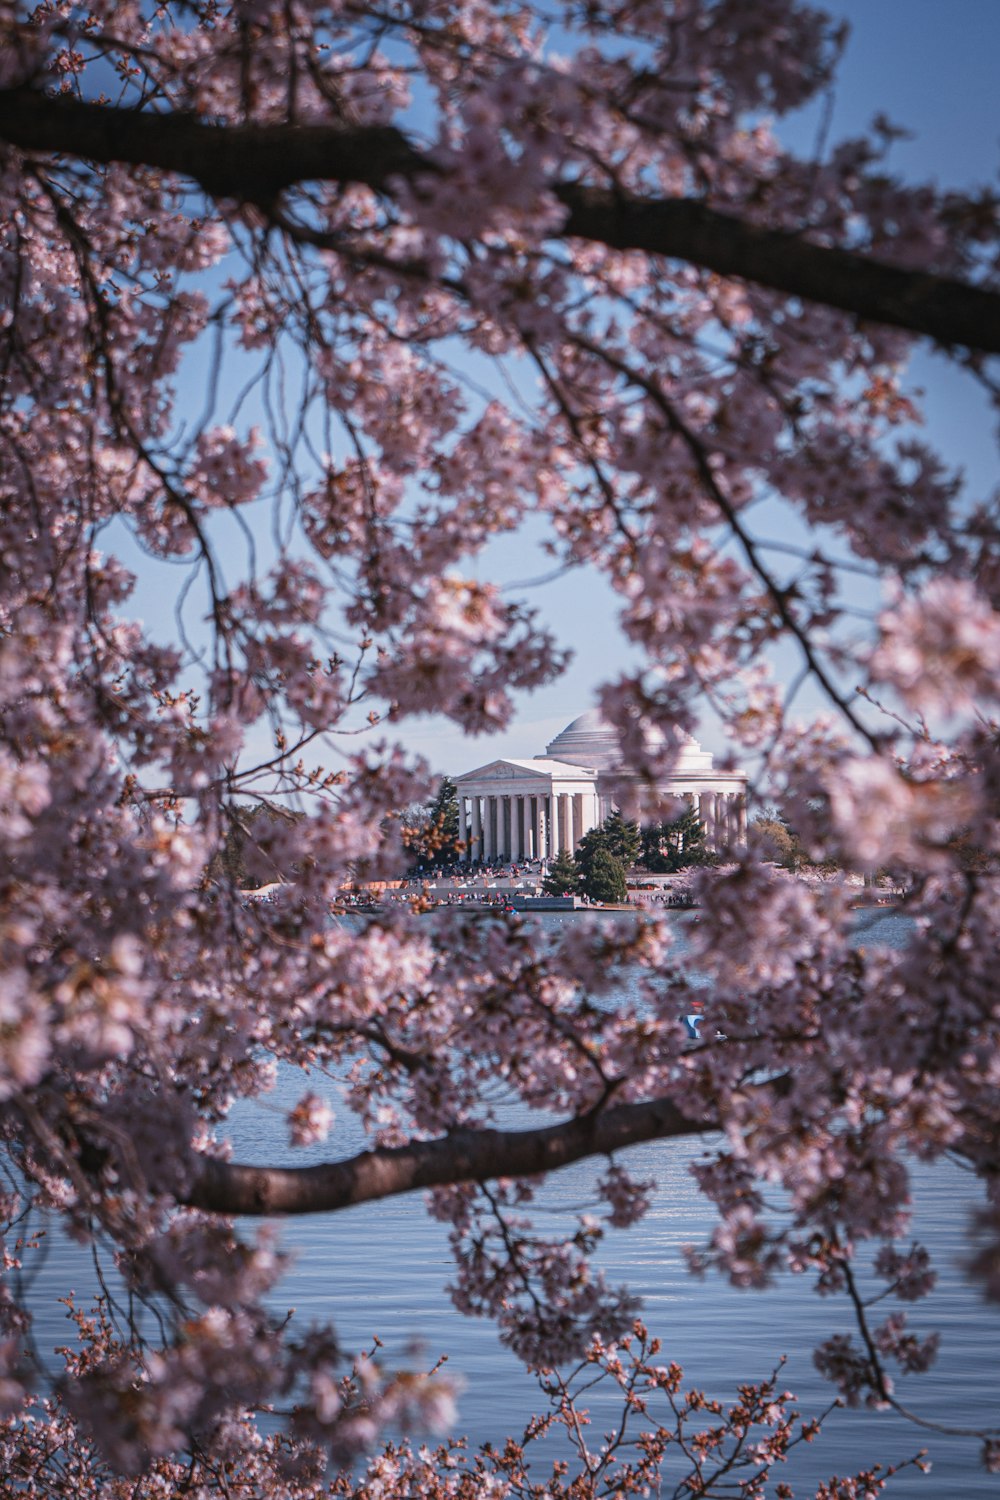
[517, 828]
[477, 830]
[528, 827]
[741, 828]
[705, 814]
[722, 819]
[463, 826]
[488, 844]
[554, 825]
[541, 831]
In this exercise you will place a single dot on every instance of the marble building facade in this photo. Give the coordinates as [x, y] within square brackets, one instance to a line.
[519, 810]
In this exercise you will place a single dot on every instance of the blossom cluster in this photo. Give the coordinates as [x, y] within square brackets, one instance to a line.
[330, 298]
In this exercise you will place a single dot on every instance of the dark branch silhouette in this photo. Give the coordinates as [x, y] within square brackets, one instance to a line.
[256, 163]
[462, 1156]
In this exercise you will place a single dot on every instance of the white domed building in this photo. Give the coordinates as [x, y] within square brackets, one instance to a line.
[532, 809]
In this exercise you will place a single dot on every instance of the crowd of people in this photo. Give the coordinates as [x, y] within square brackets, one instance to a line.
[470, 885]
[479, 870]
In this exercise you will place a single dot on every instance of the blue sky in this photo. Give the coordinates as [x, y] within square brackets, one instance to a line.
[934, 70]
[930, 69]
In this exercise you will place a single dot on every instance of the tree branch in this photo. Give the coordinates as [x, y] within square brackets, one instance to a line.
[948, 311]
[255, 163]
[464, 1156]
[252, 163]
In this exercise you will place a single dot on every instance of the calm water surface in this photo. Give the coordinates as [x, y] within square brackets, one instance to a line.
[381, 1269]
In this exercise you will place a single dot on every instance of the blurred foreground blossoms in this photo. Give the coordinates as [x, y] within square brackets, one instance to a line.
[304, 303]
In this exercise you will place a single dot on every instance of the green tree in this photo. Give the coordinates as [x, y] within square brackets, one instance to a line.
[667, 847]
[563, 878]
[616, 836]
[606, 878]
[586, 852]
[433, 836]
[623, 838]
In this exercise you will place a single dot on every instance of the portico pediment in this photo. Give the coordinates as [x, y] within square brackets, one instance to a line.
[498, 770]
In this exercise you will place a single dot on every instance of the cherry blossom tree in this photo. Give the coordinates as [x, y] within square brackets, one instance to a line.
[305, 302]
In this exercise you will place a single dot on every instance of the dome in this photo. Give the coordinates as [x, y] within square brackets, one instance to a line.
[588, 741]
[591, 741]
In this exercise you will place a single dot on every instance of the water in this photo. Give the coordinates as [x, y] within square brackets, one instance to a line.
[380, 1269]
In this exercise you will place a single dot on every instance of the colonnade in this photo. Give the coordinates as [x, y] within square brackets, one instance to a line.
[516, 827]
[723, 816]
[511, 827]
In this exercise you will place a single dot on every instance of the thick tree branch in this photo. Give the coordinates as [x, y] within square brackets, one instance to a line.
[251, 163]
[464, 1156]
[255, 163]
[950, 312]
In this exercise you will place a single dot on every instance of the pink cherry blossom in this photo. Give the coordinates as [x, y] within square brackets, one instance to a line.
[307, 309]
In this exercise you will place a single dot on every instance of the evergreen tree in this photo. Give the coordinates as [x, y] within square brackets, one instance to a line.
[617, 839]
[563, 878]
[586, 852]
[617, 836]
[676, 845]
[434, 839]
[623, 839]
[606, 878]
[445, 824]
